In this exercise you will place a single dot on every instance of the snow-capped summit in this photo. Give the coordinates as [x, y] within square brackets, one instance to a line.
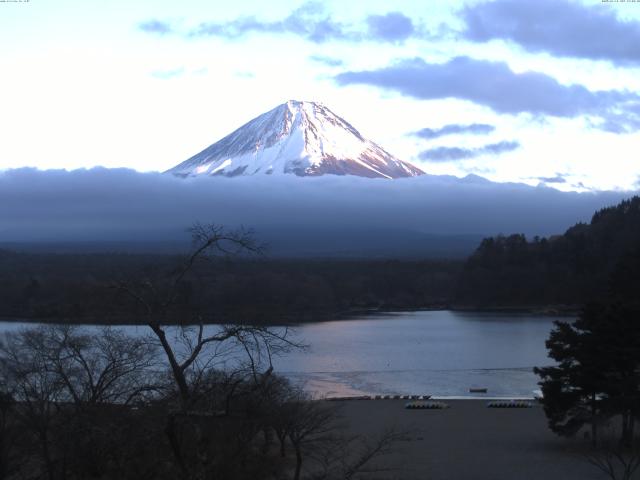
[303, 138]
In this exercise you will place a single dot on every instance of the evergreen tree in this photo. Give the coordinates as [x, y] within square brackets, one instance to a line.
[568, 269]
[598, 355]
[573, 391]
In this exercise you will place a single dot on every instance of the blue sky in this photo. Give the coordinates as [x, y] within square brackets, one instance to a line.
[512, 90]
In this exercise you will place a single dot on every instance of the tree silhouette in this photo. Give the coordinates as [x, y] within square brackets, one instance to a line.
[598, 355]
[573, 390]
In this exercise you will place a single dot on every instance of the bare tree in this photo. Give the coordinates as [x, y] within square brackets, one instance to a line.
[618, 460]
[38, 390]
[9, 435]
[67, 382]
[318, 439]
[242, 352]
[310, 425]
[109, 367]
[351, 457]
[196, 348]
[86, 369]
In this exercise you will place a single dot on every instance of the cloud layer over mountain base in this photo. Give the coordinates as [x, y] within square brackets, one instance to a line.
[309, 216]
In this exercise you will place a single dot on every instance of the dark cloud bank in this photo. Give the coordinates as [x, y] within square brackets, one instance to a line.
[495, 85]
[559, 178]
[310, 22]
[454, 129]
[565, 28]
[560, 27]
[156, 27]
[314, 216]
[446, 154]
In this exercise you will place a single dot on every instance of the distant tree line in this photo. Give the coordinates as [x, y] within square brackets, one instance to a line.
[504, 271]
[78, 288]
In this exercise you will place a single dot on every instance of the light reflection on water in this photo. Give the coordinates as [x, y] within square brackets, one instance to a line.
[441, 353]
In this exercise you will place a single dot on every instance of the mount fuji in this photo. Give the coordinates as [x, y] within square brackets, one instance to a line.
[300, 138]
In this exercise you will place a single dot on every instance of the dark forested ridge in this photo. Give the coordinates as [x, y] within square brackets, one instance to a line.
[77, 288]
[504, 271]
[569, 269]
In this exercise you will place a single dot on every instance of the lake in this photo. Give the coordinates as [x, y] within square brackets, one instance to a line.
[441, 353]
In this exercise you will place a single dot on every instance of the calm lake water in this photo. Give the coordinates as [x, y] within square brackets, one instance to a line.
[442, 353]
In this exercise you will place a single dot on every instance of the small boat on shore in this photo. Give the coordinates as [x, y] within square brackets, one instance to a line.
[477, 390]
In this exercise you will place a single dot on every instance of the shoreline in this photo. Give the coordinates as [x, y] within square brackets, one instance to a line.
[545, 311]
[425, 398]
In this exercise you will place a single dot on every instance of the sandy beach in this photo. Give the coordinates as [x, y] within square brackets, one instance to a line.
[470, 441]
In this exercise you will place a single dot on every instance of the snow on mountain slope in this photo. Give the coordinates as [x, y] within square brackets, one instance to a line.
[301, 138]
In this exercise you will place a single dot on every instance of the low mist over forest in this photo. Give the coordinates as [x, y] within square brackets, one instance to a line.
[328, 216]
[505, 271]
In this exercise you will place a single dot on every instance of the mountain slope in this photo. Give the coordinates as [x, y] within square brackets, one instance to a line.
[301, 138]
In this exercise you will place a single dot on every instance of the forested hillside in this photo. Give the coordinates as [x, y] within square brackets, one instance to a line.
[79, 288]
[504, 271]
[567, 269]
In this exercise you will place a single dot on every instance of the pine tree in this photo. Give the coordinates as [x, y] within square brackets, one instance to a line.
[573, 391]
[598, 371]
